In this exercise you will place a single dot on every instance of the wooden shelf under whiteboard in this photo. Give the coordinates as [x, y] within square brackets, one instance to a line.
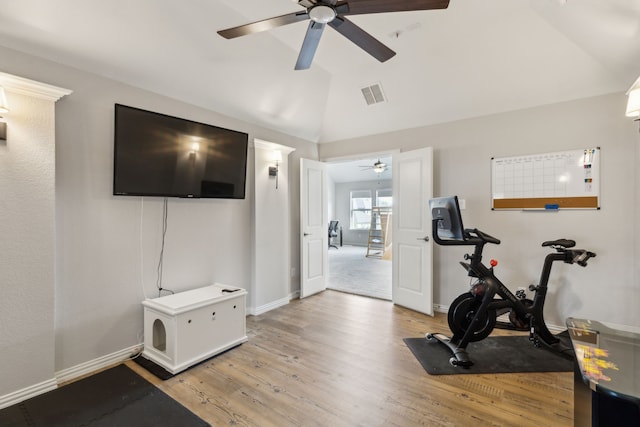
[547, 203]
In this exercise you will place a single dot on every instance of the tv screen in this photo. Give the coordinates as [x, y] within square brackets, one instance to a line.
[160, 155]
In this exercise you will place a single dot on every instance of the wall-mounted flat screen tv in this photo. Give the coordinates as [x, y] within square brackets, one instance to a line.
[160, 155]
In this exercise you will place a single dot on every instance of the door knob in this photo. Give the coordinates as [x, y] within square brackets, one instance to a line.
[306, 234]
[425, 238]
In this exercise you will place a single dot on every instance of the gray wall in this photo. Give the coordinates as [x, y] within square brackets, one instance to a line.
[343, 212]
[608, 288]
[106, 247]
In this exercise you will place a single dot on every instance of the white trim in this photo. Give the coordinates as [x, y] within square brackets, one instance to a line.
[270, 306]
[360, 156]
[69, 374]
[273, 305]
[32, 88]
[439, 308]
[266, 145]
[97, 364]
[27, 393]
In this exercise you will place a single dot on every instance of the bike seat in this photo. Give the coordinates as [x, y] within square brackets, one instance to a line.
[565, 243]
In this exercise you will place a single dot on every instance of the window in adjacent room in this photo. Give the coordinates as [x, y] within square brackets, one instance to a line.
[360, 209]
[383, 198]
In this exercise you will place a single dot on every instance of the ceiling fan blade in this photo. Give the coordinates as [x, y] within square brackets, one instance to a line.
[309, 45]
[359, 7]
[364, 40]
[264, 25]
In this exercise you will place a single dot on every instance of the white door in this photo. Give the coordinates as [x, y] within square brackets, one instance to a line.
[314, 235]
[412, 285]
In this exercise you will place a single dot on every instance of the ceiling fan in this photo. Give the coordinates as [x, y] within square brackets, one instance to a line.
[332, 13]
[378, 167]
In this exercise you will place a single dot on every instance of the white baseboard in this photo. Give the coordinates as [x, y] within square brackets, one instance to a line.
[27, 393]
[270, 306]
[438, 308]
[97, 364]
[68, 375]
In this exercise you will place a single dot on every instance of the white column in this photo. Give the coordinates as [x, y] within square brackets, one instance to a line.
[27, 227]
[271, 277]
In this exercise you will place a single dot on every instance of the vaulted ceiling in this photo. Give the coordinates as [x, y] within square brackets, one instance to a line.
[475, 58]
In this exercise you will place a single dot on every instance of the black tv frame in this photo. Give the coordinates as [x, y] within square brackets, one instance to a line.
[168, 130]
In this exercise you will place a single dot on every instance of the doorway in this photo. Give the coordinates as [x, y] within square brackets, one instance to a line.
[412, 249]
[360, 195]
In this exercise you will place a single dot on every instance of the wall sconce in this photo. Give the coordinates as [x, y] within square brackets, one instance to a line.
[4, 108]
[273, 170]
[633, 102]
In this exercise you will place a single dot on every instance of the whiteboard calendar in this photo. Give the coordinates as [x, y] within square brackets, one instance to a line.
[560, 180]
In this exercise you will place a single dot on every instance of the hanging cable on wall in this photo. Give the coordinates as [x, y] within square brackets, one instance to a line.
[141, 240]
[165, 213]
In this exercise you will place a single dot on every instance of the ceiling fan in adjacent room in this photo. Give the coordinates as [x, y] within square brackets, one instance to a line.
[378, 167]
[333, 13]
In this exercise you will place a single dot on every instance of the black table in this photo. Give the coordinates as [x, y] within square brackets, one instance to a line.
[607, 374]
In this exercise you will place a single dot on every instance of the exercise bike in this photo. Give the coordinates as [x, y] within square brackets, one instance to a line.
[473, 315]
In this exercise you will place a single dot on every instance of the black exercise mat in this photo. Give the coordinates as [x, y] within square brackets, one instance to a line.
[115, 397]
[493, 355]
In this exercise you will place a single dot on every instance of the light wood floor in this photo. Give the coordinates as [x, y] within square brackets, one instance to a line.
[336, 359]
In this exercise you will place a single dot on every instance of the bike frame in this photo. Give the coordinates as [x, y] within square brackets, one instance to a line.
[533, 313]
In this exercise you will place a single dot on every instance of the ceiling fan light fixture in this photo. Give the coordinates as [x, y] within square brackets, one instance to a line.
[379, 167]
[322, 14]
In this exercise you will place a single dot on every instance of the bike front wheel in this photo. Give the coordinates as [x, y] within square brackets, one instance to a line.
[461, 313]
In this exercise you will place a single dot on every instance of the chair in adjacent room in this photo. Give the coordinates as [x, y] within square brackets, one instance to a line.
[333, 232]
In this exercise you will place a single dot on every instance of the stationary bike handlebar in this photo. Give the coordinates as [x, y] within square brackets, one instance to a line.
[578, 256]
[472, 237]
[486, 238]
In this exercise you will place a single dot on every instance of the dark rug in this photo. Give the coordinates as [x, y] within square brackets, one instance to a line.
[493, 355]
[115, 397]
[154, 368]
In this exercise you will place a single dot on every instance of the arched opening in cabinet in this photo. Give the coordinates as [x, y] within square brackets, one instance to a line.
[159, 335]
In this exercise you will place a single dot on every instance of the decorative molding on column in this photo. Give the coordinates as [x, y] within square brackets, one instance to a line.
[32, 88]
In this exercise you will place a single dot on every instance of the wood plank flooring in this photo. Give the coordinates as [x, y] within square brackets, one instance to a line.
[336, 359]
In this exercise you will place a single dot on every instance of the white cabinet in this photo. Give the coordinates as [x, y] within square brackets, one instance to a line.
[183, 329]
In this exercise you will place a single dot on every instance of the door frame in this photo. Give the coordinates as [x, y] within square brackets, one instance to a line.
[361, 156]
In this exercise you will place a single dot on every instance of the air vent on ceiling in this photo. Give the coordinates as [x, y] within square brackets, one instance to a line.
[373, 94]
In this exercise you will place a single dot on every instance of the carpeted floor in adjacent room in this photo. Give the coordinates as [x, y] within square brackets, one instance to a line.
[351, 271]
